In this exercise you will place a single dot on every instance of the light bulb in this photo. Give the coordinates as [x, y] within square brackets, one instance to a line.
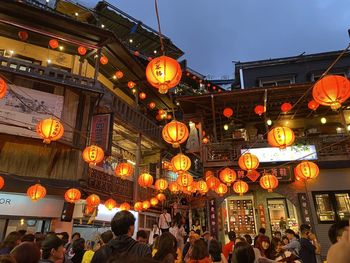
[225, 127]
[348, 127]
[269, 122]
[323, 120]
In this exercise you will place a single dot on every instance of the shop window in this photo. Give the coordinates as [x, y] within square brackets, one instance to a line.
[278, 81]
[343, 204]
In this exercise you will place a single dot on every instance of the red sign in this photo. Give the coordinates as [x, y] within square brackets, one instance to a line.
[213, 220]
[100, 132]
[261, 211]
[283, 174]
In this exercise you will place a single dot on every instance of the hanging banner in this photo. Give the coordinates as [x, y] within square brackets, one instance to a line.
[101, 131]
[283, 174]
[261, 211]
[305, 208]
[213, 220]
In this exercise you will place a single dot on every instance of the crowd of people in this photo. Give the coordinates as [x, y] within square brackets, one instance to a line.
[168, 242]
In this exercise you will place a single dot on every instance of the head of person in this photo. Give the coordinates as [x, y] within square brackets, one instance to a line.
[78, 245]
[123, 223]
[277, 234]
[262, 231]
[52, 248]
[248, 238]
[290, 234]
[193, 237]
[206, 236]
[276, 245]
[200, 250]
[305, 230]
[165, 210]
[155, 227]
[285, 240]
[263, 244]
[167, 244]
[75, 236]
[90, 244]
[64, 237]
[197, 222]
[336, 231]
[26, 252]
[239, 239]
[12, 240]
[28, 238]
[243, 252]
[39, 238]
[22, 232]
[215, 250]
[232, 235]
[106, 237]
[7, 259]
[142, 237]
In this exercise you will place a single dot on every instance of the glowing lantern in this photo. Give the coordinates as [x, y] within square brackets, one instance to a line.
[313, 105]
[180, 163]
[124, 170]
[228, 176]
[175, 133]
[110, 204]
[248, 162]
[163, 73]
[161, 197]
[240, 187]
[154, 201]
[228, 112]
[36, 192]
[82, 50]
[88, 210]
[53, 43]
[145, 180]
[174, 187]
[124, 207]
[146, 204]
[184, 179]
[259, 109]
[138, 206]
[213, 183]
[208, 174]
[3, 88]
[331, 91]
[162, 113]
[93, 154]
[280, 137]
[161, 184]
[131, 84]
[136, 53]
[285, 107]
[202, 186]
[93, 200]
[151, 105]
[23, 35]
[142, 95]
[119, 74]
[103, 60]
[191, 188]
[169, 117]
[221, 189]
[50, 130]
[72, 195]
[205, 140]
[307, 170]
[2, 182]
[268, 182]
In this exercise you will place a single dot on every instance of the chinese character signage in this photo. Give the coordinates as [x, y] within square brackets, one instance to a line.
[100, 132]
[283, 174]
[213, 220]
[261, 211]
[305, 208]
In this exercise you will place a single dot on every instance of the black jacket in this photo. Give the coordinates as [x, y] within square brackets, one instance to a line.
[121, 246]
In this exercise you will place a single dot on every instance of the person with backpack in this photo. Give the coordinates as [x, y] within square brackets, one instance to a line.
[123, 225]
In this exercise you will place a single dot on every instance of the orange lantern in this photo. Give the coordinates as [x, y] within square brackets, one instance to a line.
[50, 130]
[174, 187]
[268, 182]
[151, 105]
[285, 107]
[205, 140]
[93, 154]
[161, 184]
[280, 137]
[3, 88]
[227, 176]
[124, 207]
[169, 117]
[162, 113]
[137, 207]
[36, 192]
[331, 91]
[131, 84]
[248, 162]
[313, 105]
[53, 43]
[154, 201]
[163, 73]
[161, 197]
[180, 163]
[208, 174]
[307, 170]
[110, 204]
[136, 53]
[124, 170]
[145, 180]
[240, 187]
[72, 195]
[213, 183]
[221, 189]
[146, 204]
[228, 112]
[259, 109]
[119, 74]
[23, 35]
[175, 133]
[184, 179]
[142, 95]
[93, 200]
[2, 182]
[191, 188]
[103, 60]
[202, 186]
[82, 50]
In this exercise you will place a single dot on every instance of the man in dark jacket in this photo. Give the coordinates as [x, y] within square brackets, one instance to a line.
[123, 224]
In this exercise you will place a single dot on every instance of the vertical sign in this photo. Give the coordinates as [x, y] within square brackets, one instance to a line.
[262, 216]
[305, 208]
[100, 132]
[213, 220]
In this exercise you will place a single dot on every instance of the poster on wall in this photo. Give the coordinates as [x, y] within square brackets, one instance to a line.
[100, 131]
[22, 108]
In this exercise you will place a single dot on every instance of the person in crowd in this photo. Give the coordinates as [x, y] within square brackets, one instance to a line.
[12, 240]
[309, 246]
[278, 235]
[294, 244]
[7, 259]
[207, 238]
[339, 252]
[64, 236]
[215, 252]
[239, 239]
[167, 247]
[122, 224]
[106, 237]
[52, 249]
[199, 253]
[28, 238]
[262, 232]
[279, 254]
[263, 245]
[283, 224]
[197, 227]
[142, 237]
[39, 238]
[155, 231]
[22, 232]
[189, 245]
[285, 240]
[26, 252]
[227, 249]
[336, 231]
[243, 253]
[248, 238]
[68, 246]
[78, 248]
[178, 231]
[164, 221]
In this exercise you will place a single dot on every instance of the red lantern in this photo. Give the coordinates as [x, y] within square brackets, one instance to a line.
[281, 137]
[174, 187]
[146, 204]
[180, 163]
[104, 60]
[53, 43]
[3, 88]
[36, 192]
[307, 170]
[259, 109]
[248, 162]
[161, 197]
[208, 174]
[221, 189]
[240, 187]
[145, 180]
[131, 84]
[93, 154]
[119, 74]
[202, 186]
[124, 207]
[93, 200]
[138, 206]
[154, 201]
[72, 195]
[184, 179]
[136, 53]
[285, 107]
[151, 105]
[82, 50]
[50, 130]
[110, 204]
[161, 184]
[175, 133]
[213, 183]
[2, 182]
[331, 91]
[268, 182]
[124, 170]
[142, 95]
[23, 35]
[228, 176]
[205, 140]
[169, 117]
[313, 105]
[228, 112]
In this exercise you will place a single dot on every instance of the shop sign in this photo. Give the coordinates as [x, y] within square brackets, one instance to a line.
[261, 211]
[100, 131]
[305, 208]
[213, 220]
[283, 174]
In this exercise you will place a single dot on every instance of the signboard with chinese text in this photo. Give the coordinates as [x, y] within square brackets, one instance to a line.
[283, 174]
[213, 220]
[100, 132]
[261, 211]
[305, 209]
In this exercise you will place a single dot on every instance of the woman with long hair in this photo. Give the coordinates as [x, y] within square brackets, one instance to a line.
[199, 253]
[263, 245]
[178, 230]
[243, 252]
[167, 246]
[215, 252]
[26, 252]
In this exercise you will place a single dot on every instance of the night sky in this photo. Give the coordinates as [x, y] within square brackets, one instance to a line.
[213, 33]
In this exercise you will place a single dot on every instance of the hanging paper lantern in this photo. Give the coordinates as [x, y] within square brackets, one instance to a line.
[124, 207]
[174, 187]
[161, 184]
[151, 105]
[268, 182]
[146, 204]
[202, 186]
[175, 133]
[248, 162]
[240, 187]
[138, 206]
[23, 35]
[307, 170]
[169, 117]
[93, 200]
[131, 84]
[93, 154]
[184, 179]
[313, 105]
[208, 174]
[2, 182]
[119, 74]
[205, 140]
[162, 113]
[53, 43]
[228, 112]
[180, 163]
[88, 210]
[50, 130]
[145, 180]
[154, 201]
[163, 73]
[285, 107]
[104, 60]
[191, 188]
[227, 176]
[161, 197]
[281, 137]
[81, 50]
[213, 183]
[221, 189]
[72, 195]
[124, 170]
[36, 192]
[331, 91]
[110, 204]
[3, 88]
[136, 53]
[142, 95]
[259, 109]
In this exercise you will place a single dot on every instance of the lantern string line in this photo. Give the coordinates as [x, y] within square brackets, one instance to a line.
[159, 28]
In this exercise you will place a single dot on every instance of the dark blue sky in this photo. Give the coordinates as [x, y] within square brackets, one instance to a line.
[213, 33]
